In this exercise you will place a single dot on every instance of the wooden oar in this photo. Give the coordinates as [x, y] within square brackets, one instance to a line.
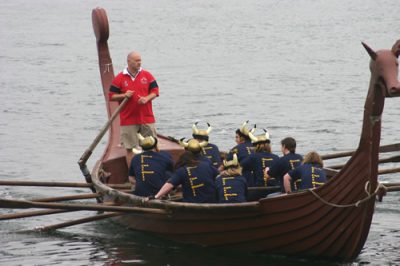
[56, 184]
[88, 152]
[70, 197]
[78, 221]
[391, 187]
[18, 215]
[391, 184]
[42, 183]
[25, 204]
[382, 149]
[389, 171]
[393, 159]
[332, 172]
[173, 139]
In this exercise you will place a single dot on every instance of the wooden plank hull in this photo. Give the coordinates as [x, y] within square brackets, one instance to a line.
[295, 224]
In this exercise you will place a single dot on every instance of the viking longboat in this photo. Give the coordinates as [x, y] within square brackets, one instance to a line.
[332, 221]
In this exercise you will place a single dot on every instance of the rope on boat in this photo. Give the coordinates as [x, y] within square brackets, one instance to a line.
[356, 204]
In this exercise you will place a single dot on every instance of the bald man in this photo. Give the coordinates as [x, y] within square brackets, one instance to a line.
[137, 115]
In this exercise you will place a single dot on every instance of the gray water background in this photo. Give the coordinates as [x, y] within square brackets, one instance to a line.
[296, 68]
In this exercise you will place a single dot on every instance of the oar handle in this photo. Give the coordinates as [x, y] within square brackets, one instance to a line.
[88, 152]
[85, 156]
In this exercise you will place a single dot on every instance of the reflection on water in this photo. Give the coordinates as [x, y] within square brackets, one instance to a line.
[112, 245]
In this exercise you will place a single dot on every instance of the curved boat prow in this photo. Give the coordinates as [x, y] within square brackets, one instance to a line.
[101, 31]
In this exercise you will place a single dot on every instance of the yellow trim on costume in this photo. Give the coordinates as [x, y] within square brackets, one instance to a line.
[297, 183]
[292, 162]
[226, 194]
[249, 150]
[143, 165]
[193, 178]
[264, 165]
[193, 186]
[263, 162]
[313, 177]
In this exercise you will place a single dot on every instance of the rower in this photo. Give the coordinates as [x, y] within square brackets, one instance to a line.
[260, 159]
[150, 169]
[243, 149]
[289, 161]
[310, 173]
[195, 173]
[209, 151]
[231, 185]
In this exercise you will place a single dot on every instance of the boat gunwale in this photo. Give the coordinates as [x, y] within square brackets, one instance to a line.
[129, 198]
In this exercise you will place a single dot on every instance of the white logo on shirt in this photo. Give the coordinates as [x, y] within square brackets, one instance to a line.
[143, 80]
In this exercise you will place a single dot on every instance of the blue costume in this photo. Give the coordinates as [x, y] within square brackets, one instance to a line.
[211, 152]
[311, 175]
[151, 170]
[283, 166]
[202, 158]
[231, 189]
[257, 162]
[198, 182]
[243, 150]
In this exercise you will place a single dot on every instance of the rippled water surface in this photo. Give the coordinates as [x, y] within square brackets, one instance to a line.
[294, 67]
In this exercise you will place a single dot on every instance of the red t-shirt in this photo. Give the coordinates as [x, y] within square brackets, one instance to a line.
[143, 84]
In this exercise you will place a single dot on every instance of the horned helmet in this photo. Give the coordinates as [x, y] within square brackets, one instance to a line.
[263, 138]
[245, 131]
[147, 143]
[193, 145]
[201, 133]
[232, 163]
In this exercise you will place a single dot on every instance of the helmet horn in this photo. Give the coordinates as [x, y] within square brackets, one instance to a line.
[252, 137]
[266, 133]
[183, 143]
[203, 144]
[209, 128]
[141, 138]
[195, 129]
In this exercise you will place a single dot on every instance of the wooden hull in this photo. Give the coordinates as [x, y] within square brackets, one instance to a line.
[295, 224]
[324, 223]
